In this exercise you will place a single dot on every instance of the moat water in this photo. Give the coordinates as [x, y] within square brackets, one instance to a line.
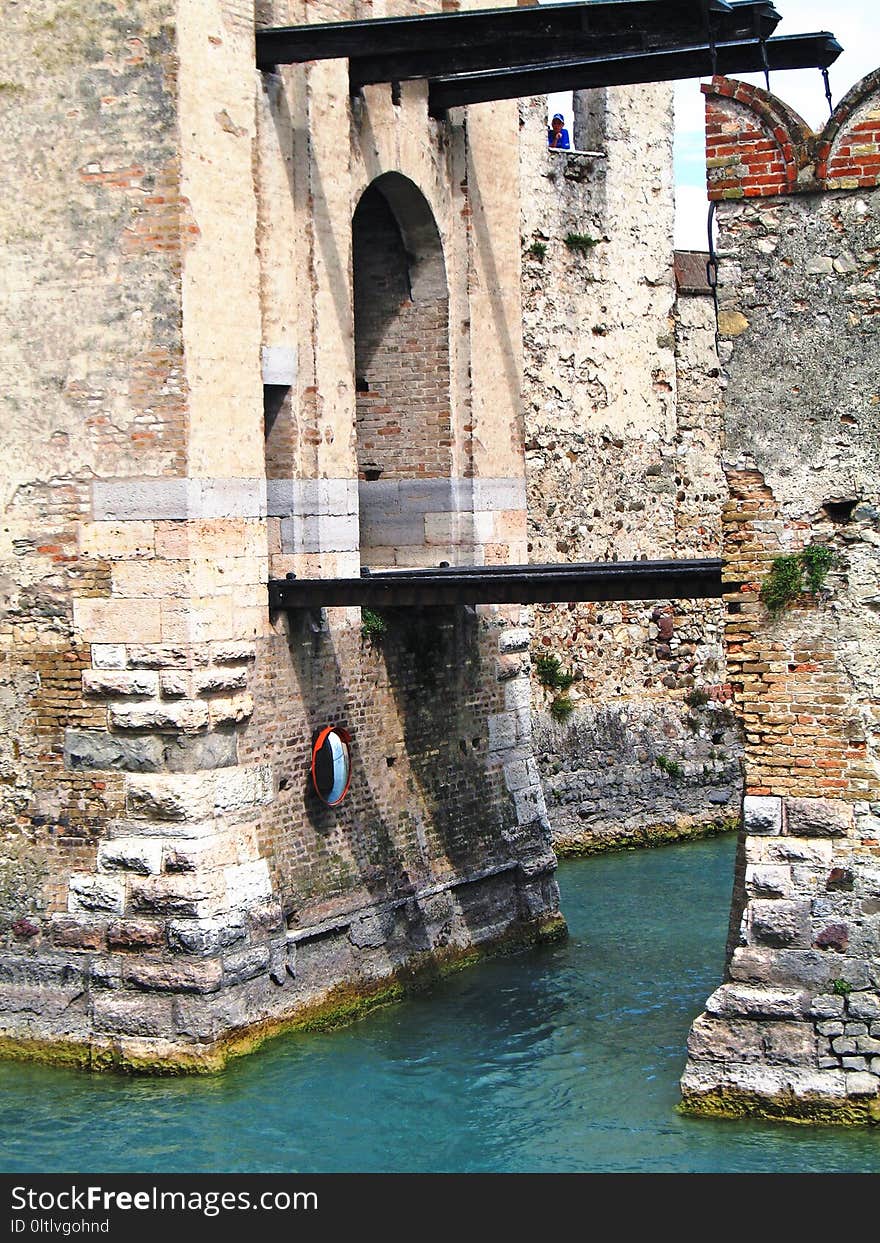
[565, 1058]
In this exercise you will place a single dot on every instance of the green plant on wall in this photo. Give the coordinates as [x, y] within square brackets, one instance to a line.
[795, 574]
[373, 625]
[581, 242]
[671, 767]
[537, 250]
[561, 708]
[554, 678]
[551, 673]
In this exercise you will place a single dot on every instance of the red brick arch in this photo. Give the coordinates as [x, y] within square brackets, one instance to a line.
[755, 144]
[848, 149]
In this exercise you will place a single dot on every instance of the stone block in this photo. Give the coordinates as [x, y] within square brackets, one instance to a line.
[516, 639]
[95, 750]
[111, 682]
[175, 684]
[827, 1006]
[116, 540]
[206, 936]
[325, 533]
[517, 694]
[96, 893]
[382, 497]
[175, 975]
[68, 932]
[747, 1001]
[135, 934]
[802, 968]
[162, 656]
[179, 796]
[791, 1044]
[239, 789]
[860, 1083]
[530, 805]
[121, 1014]
[768, 879]
[818, 817]
[144, 499]
[247, 883]
[815, 851]
[186, 715]
[863, 1005]
[154, 579]
[735, 1040]
[130, 854]
[245, 964]
[221, 680]
[516, 775]
[490, 494]
[230, 710]
[182, 896]
[195, 752]
[231, 653]
[762, 814]
[109, 655]
[778, 922]
[278, 365]
[109, 621]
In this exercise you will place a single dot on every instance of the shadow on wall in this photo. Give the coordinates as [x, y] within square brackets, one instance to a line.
[419, 811]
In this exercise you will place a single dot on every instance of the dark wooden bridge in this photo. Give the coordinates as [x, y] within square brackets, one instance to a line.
[505, 584]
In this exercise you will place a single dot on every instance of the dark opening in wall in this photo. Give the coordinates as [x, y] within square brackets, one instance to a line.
[840, 511]
[274, 396]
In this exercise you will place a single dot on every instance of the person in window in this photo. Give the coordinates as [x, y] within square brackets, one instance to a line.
[557, 134]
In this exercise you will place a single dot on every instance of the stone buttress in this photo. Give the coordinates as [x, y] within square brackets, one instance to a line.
[794, 1031]
[186, 416]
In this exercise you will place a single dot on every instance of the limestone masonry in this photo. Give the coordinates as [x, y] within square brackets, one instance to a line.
[210, 378]
[623, 462]
[255, 327]
[794, 1031]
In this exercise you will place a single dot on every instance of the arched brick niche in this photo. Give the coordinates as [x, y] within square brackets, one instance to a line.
[401, 318]
[756, 146]
[848, 151]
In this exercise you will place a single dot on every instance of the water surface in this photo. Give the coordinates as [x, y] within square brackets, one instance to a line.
[564, 1058]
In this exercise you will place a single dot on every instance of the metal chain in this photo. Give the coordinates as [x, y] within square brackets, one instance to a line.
[766, 64]
[710, 34]
[712, 262]
[827, 89]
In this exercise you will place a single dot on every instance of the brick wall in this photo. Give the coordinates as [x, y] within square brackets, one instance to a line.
[401, 355]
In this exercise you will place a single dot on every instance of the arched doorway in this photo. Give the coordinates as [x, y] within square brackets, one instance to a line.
[401, 321]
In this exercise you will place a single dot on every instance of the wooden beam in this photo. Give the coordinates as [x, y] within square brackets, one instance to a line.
[506, 584]
[379, 36]
[747, 20]
[744, 56]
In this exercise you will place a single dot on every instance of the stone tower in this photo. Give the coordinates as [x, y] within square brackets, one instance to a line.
[235, 303]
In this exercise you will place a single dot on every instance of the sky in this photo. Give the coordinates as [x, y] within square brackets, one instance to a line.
[856, 26]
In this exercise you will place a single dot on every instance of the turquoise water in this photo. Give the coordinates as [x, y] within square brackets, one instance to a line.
[564, 1058]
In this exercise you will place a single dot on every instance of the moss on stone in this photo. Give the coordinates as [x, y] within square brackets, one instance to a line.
[643, 838]
[803, 1111]
[340, 1006]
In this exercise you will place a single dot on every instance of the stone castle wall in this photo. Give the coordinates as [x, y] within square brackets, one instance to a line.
[623, 439]
[179, 369]
[795, 1029]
